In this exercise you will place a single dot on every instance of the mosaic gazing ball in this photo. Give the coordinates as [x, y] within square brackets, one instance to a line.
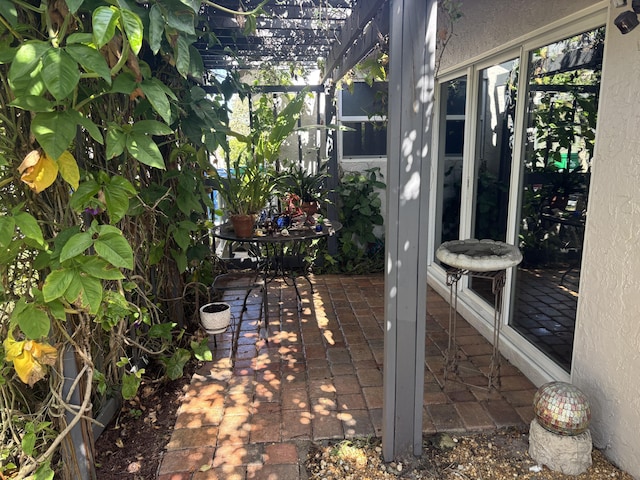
[562, 408]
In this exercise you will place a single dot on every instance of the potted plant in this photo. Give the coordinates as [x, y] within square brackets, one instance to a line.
[246, 189]
[308, 189]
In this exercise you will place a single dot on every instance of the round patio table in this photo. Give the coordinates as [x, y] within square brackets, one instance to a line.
[281, 255]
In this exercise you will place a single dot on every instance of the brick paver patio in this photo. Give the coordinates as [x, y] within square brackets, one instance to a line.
[252, 415]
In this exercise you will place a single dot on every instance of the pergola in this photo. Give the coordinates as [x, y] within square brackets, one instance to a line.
[329, 34]
[335, 35]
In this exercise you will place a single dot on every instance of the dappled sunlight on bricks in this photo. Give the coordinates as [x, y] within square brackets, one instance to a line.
[319, 377]
[324, 405]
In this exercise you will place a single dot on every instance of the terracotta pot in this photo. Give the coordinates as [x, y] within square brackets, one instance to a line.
[243, 225]
[310, 208]
[215, 317]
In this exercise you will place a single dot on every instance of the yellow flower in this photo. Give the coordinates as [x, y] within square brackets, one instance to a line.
[43, 352]
[12, 348]
[28, 357]
[38, 171]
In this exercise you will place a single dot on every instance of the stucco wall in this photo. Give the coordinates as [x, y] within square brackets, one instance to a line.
[606, 363]
[492, 23]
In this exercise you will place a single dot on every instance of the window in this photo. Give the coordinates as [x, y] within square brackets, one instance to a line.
[365, 133]
[515, 166]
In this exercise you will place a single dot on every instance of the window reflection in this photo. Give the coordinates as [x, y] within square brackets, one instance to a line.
[453, 99]
[563, 86]
[493, 157]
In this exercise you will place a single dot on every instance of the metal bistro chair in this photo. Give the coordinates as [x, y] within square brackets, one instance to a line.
[241, 271]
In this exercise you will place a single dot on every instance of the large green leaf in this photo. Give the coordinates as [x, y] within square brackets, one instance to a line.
[74, 5]
[156, 28]
[183, 57]
[99, 268]
[124, 184]
[85, 292]
[75, 246]
[60, 73]
[54, 131]
[104, 229]
[181, 235]
[181, 18]
[7, 229]
[27, 57]
[151, 127]
[34, 103]
[117, 201]
[104, 21]
[116, 141]
[201, 350]
[196, 65]
[29, 227]
[192, 4]
[175, 365]
[89, 126]
[85, 192]
[145, 150]
[161, 330]
[124, 83]
[115, 249]
[10, 253]
[9, 12]
[90, 59]
[79, 37]
[157, 97]
[133, 28]
[56, 284]
[24, 73]
[130, 385]
[180, 258]
[30, 84]
[33, 321]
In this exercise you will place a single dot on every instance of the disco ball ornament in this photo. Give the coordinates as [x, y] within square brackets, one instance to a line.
[562, 408]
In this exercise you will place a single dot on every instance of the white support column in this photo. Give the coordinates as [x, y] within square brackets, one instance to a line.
[411, 80]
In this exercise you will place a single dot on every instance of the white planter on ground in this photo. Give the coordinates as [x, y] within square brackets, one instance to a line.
[215, 317]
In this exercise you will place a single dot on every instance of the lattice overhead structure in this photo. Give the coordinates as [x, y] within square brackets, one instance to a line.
[314, 33]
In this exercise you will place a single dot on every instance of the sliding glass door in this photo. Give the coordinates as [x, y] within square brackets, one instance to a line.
[519, 172]
[562, 101]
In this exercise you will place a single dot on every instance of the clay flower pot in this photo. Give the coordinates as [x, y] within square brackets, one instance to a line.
[243, 225]
[215, 317]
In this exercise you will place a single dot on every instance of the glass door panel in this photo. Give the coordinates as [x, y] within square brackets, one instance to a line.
[493, 157]
[453, 100]
[562, 96]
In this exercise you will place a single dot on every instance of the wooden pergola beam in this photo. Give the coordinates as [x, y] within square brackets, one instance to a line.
[362, 14]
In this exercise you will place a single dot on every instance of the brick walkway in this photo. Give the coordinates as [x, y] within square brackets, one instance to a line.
[319, 378]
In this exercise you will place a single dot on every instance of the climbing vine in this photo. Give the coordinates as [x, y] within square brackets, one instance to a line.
[104, 141]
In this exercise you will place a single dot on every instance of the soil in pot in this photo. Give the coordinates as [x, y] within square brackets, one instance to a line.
[215, 307]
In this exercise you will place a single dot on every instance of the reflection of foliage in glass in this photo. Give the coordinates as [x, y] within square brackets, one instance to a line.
[564, 82]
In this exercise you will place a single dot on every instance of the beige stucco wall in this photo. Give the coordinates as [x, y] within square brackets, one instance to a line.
[606, 363]
[492, 23]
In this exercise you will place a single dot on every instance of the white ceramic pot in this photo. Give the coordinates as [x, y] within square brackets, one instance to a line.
[215, 317]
